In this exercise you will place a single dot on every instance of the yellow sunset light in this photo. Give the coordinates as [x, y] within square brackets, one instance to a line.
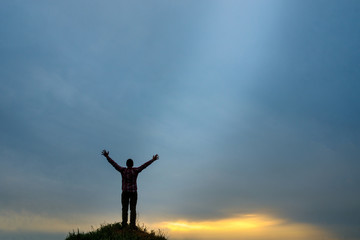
[247, 227]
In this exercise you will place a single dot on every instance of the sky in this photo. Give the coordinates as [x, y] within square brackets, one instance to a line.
[252, 106]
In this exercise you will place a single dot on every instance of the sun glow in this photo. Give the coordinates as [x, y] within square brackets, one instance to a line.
[247, 227]
[244, 222]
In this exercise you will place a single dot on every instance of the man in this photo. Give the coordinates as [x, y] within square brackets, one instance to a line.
[129, 186]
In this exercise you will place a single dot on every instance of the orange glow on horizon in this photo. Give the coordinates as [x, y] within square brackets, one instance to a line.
[245, 222]
[245, 227]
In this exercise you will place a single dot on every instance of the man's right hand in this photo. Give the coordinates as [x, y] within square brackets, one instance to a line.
[105, 153]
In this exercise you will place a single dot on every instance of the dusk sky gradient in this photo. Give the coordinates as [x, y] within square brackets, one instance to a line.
[252, 106]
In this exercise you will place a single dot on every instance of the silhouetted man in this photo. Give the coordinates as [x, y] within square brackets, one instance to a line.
[129, 186]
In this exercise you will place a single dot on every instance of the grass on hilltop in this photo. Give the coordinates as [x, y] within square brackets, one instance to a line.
[116, 232]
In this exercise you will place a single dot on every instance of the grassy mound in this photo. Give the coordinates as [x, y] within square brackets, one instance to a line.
[117, 232]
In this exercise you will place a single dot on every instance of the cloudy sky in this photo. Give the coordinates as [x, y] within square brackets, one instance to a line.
[253, 107]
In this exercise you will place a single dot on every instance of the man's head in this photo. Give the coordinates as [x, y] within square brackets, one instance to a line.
[129, 163]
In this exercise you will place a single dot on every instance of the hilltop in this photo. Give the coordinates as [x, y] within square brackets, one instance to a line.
[117, 232]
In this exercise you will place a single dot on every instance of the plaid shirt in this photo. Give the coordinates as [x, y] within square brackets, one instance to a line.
[129, 175]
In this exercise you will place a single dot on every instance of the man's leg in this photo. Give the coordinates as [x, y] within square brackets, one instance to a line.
[125, 207]
[133, 201]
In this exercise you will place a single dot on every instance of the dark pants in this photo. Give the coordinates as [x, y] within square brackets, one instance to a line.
[126, 198]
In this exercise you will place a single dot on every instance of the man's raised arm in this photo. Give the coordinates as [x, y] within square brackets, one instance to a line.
[154, 158]
[112, 162]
